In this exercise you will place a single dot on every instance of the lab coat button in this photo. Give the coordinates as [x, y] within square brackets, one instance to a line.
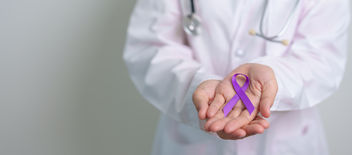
[240, 53]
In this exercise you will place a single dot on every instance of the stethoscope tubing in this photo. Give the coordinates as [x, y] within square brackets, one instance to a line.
[282, 30]
[261, 33]
[193, 9]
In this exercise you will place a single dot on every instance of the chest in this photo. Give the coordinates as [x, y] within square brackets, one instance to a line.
[226, 24]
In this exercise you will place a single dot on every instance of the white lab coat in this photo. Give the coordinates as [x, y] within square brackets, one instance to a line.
[167, 65]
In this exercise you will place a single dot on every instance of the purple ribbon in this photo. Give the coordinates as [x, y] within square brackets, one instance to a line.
[240, 94]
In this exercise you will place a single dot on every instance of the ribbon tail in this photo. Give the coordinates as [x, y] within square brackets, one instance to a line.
[228, 107]
[246, 101]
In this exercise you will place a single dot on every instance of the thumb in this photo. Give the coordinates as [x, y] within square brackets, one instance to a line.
[200, 101]
[267, 98]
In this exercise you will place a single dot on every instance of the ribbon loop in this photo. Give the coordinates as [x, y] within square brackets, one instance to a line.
[240, 94]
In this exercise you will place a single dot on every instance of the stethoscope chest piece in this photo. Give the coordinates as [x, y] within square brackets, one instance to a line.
[192, 24]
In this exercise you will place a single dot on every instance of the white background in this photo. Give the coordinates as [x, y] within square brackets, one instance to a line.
[64, 89]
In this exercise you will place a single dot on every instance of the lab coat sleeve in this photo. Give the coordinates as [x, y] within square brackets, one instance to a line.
[160, 64]
[314, 66]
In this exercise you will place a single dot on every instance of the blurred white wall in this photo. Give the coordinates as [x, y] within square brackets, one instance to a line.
[64, 89]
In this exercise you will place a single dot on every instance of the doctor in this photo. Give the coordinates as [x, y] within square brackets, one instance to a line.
[181, 55]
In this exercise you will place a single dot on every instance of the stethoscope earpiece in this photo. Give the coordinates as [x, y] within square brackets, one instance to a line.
[285, 42]
[252, 32]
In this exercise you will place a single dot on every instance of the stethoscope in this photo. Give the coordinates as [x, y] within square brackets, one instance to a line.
[192, 24]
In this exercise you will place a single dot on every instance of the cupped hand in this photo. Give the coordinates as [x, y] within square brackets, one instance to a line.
[204, 95]
[239, 123]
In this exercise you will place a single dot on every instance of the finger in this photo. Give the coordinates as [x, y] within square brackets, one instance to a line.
[264, 123]
[223, 135]
[214, 107]
[237, 122]
[253, 129]
[268, 96]
[201, 104]
[236, 111]
[238, 134]
[216, 117]
[221, 122]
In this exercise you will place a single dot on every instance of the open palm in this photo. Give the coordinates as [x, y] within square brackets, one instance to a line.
[239, 123]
